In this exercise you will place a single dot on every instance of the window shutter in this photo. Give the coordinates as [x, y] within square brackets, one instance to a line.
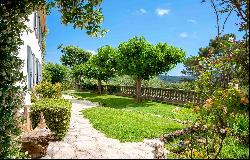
[40, 74]
[37, 71]
[29, 66]
[34, 69]
[35, 21]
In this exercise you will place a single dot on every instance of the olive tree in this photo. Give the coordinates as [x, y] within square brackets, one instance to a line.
[142, 60]
[102, 65]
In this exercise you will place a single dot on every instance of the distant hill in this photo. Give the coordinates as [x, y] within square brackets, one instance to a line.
[174, 79]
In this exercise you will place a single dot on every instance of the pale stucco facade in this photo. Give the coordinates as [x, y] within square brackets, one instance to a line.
[31, 51]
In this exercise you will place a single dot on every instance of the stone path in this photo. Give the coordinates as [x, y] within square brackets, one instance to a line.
[83, 141]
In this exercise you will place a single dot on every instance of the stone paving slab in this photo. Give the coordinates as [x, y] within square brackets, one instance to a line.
[82, 141]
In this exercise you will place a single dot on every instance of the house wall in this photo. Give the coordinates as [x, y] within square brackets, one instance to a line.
[32, 43]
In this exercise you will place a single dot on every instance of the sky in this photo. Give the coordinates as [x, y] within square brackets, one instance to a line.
[187, 24]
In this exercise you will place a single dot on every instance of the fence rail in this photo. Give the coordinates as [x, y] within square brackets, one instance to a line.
[175, 96]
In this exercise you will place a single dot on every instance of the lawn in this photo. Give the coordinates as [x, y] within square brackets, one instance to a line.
[124, 119]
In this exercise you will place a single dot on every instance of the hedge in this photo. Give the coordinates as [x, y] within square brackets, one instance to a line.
[56, 112]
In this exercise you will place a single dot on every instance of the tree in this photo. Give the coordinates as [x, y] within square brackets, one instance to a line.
[73, 55]
[101, 66]
[224, 61]
[56, 73]
[142, 60]
[85, 14]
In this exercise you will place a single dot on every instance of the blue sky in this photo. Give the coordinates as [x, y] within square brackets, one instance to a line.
[188, 24]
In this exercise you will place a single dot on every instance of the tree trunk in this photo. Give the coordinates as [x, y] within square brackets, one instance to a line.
[138, 90]
[79, 82]
[99, 86]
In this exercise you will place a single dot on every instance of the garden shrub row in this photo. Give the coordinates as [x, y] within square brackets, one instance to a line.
[56, 112]
[48, 90]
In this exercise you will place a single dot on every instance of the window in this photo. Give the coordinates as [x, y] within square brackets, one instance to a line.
[35, 21]
[34, 69]
[37, 70]
[29, 68]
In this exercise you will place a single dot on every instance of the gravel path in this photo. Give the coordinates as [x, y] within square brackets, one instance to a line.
[83, 141]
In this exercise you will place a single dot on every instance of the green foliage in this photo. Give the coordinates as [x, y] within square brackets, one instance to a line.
[56, 73]
[11, 27]
[48, 90]
[89, 84]
[102, 65]
[140, 59]
[73, 55]
[223, 116]
[232, 149]
[34, 96]
[82, 14]
[154, 82]
[123, 80]
[222, 61]
[56, 112]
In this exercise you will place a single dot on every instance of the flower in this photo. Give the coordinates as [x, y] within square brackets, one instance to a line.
[244, 100]
[223, 131]
[208, 103]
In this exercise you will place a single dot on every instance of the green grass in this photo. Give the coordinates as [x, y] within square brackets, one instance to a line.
[128, 125]
[150, 107]
[124, 119]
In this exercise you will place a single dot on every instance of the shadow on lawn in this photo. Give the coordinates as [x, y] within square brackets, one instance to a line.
[117, 102]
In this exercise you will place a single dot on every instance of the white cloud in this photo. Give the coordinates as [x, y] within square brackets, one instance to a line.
[162, 12]
[91, 51]
[142, 11]
[192, 21]
[184, 35]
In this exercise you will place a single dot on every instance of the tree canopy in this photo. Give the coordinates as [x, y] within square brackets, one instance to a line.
[73, 55]
[55, 73]
[102, 65]
[142, 60]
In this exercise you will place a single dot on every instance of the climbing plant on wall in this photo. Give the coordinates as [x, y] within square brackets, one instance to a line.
[84, 14]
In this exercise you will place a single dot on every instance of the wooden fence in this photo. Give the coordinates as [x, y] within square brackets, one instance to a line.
[175, 96]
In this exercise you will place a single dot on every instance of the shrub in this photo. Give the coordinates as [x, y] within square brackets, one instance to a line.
[56, 113]
[34, 97]
[113, 89]
[89, 84]
[55, 72]
[49, 90]
[223, 116]
[154, 82]
[124, 80]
